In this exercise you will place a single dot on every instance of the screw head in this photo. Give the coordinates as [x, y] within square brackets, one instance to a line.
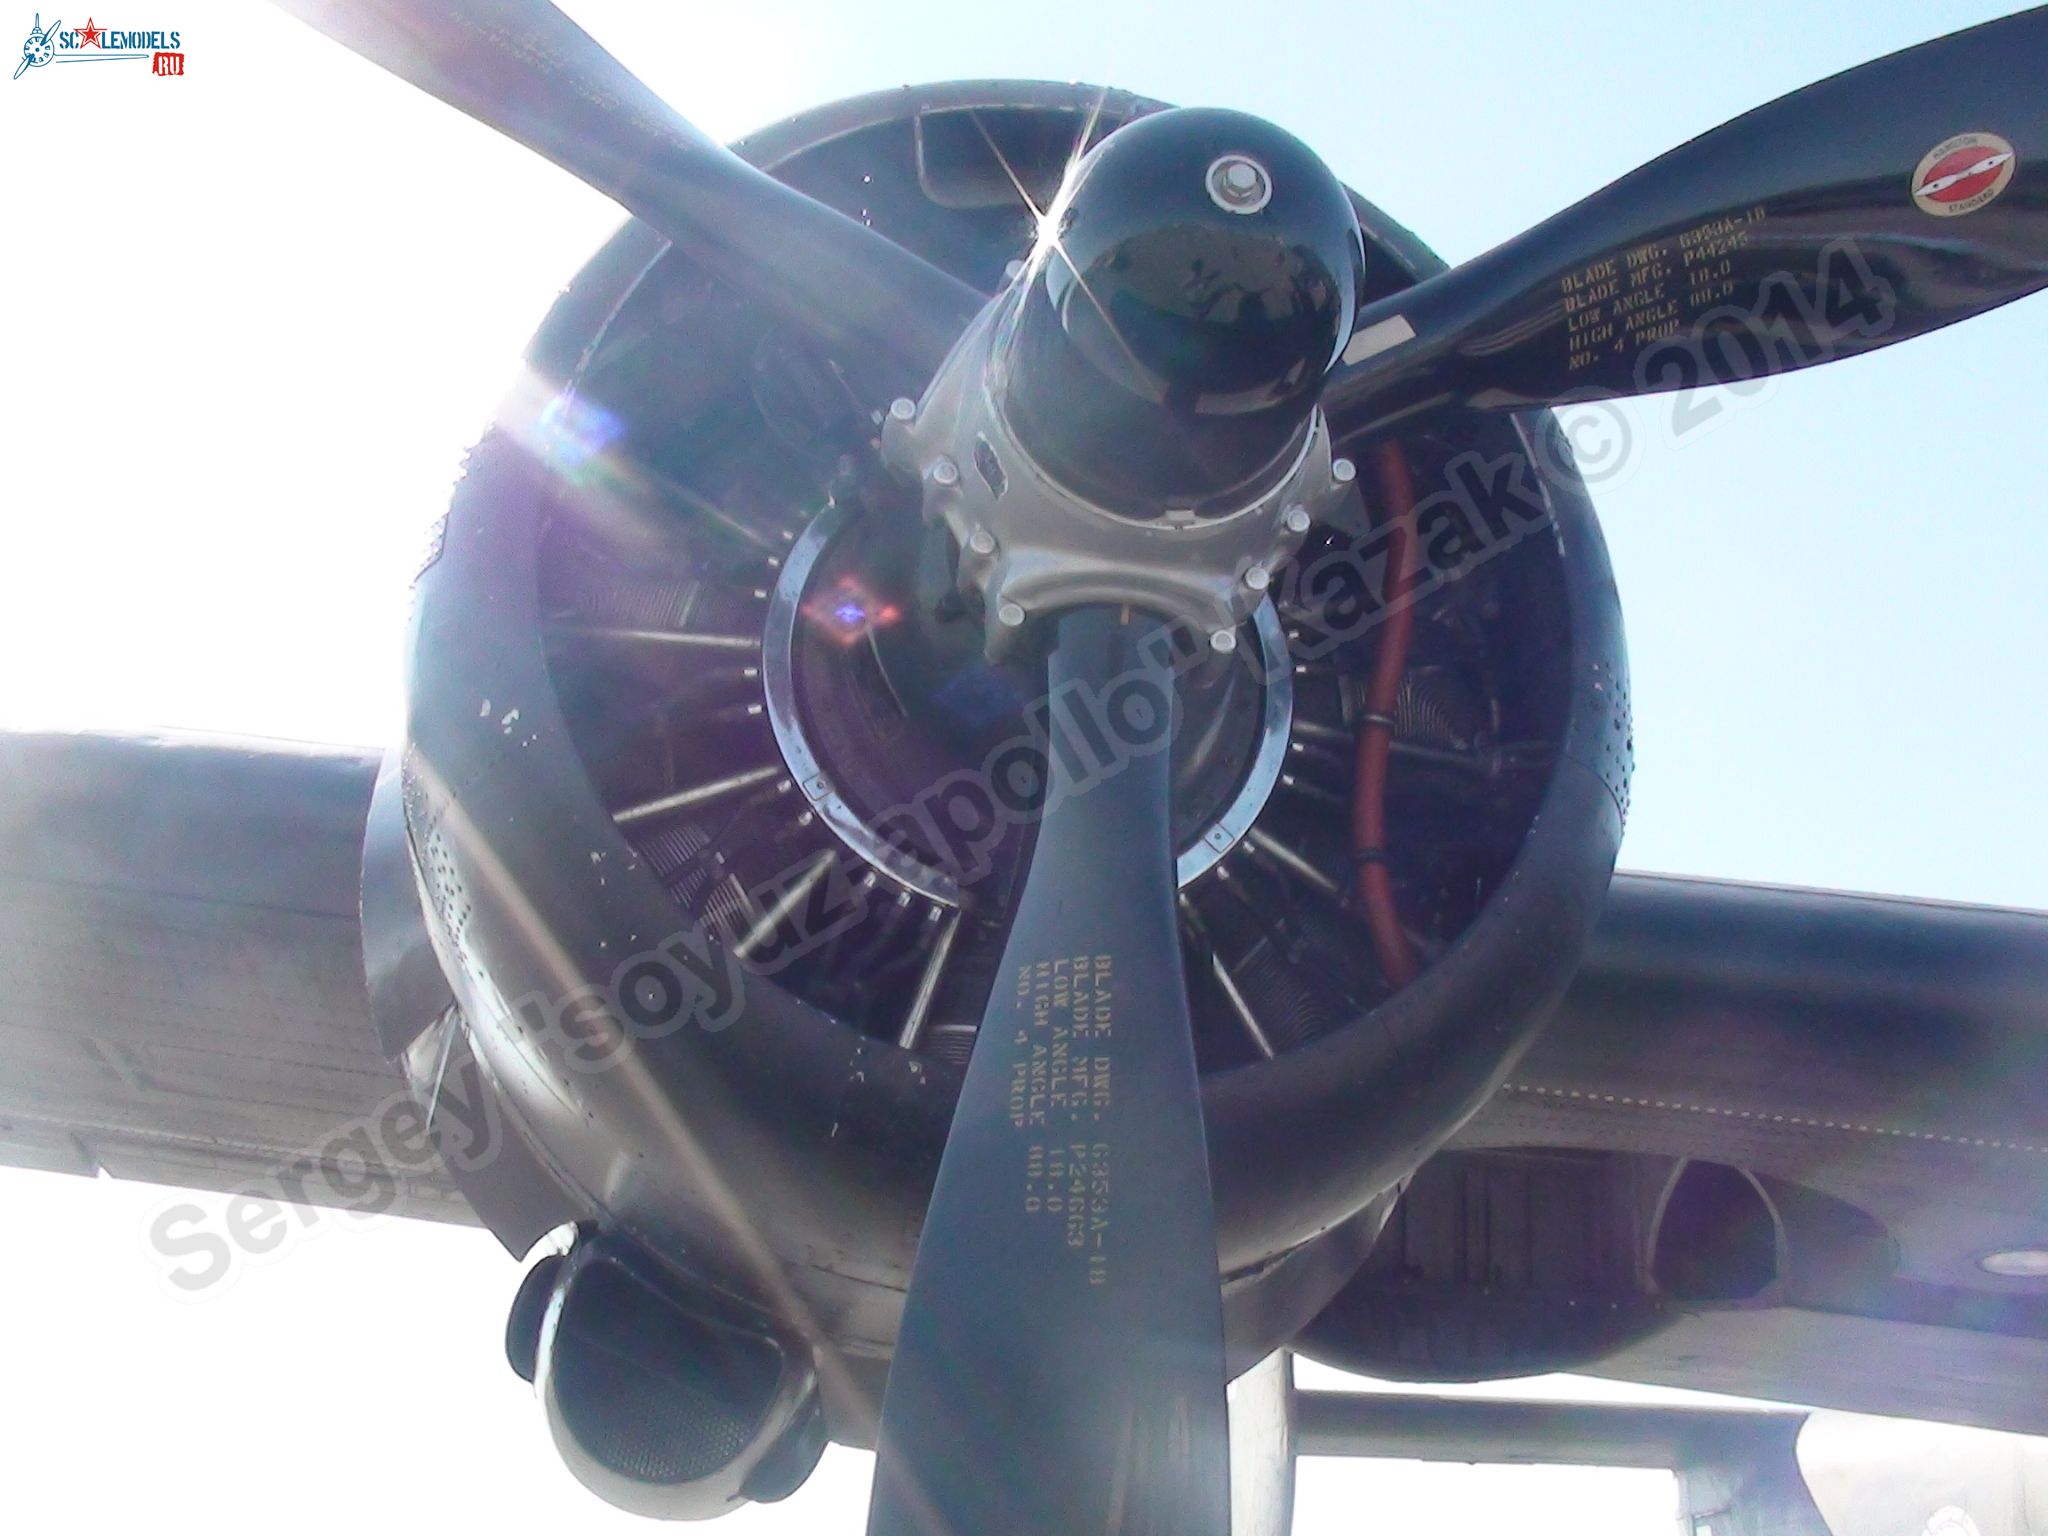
[943, 471]
[1010, 615]
[982, 542]
[1239, 184]
[903, 408]
[1343, 471]
[1223, 641]
[1295, 519]
[1258, 578]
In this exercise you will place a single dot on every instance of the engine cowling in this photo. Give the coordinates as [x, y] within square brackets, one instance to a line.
[714, 797]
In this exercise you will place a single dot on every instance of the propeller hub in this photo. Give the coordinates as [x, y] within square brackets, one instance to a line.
[1191, 285]
[1134, 420]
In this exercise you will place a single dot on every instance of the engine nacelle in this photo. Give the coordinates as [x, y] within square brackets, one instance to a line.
[715, 797]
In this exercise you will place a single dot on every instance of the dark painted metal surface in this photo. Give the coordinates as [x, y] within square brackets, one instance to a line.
[1060, 1366]
[1893, 1052]
[666, 1401]
[407, 991]
[1169, 348]
[1800, 232]
[1881, 1065]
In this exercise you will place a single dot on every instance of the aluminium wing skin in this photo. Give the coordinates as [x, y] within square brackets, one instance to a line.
[181, 980]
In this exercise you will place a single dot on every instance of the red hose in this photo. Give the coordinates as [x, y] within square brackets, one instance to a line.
[1375, 885]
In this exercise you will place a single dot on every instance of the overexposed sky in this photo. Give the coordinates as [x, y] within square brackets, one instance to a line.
[257, 313]
[357, 1381]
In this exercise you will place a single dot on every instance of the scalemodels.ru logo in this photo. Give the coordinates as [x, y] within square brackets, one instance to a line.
[93, 43]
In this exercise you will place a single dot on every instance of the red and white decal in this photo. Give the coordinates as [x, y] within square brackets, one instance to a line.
[1962, 174]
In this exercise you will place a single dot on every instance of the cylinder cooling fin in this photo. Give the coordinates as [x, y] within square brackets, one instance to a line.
[788, 712]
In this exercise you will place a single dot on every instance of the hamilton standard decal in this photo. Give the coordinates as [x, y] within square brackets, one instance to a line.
[1962, 174]
[95, 44]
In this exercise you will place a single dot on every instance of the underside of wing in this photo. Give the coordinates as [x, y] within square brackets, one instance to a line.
[1785, 1143]
[1775, 1142]
[181, 974]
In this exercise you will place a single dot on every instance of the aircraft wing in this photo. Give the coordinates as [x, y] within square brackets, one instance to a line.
[183, 1002]
[181, 975]
[1862, 1080]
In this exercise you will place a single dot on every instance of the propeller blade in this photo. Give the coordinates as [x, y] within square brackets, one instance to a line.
[527, 70]
[1060, 1370]
[1866, 209]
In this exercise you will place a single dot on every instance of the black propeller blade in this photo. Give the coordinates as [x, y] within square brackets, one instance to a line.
[1866, 209]
[1060, 1370]
[527, 70]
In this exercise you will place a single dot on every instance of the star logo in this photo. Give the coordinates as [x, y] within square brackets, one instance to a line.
[89, 35]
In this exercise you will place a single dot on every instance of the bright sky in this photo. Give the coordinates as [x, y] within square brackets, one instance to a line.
[259, 311]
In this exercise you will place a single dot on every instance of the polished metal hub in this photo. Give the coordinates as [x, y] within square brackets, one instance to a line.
[1028, 545]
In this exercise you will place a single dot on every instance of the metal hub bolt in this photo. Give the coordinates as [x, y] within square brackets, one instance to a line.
[1239, 184]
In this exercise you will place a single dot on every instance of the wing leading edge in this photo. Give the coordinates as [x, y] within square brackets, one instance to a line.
[181, 978]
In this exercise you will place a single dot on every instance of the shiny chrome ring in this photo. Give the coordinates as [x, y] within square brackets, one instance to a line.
[778, 678]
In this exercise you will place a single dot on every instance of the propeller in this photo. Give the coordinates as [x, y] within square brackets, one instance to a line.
[1060, 1367]
[527, 70]
[1871, 207]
